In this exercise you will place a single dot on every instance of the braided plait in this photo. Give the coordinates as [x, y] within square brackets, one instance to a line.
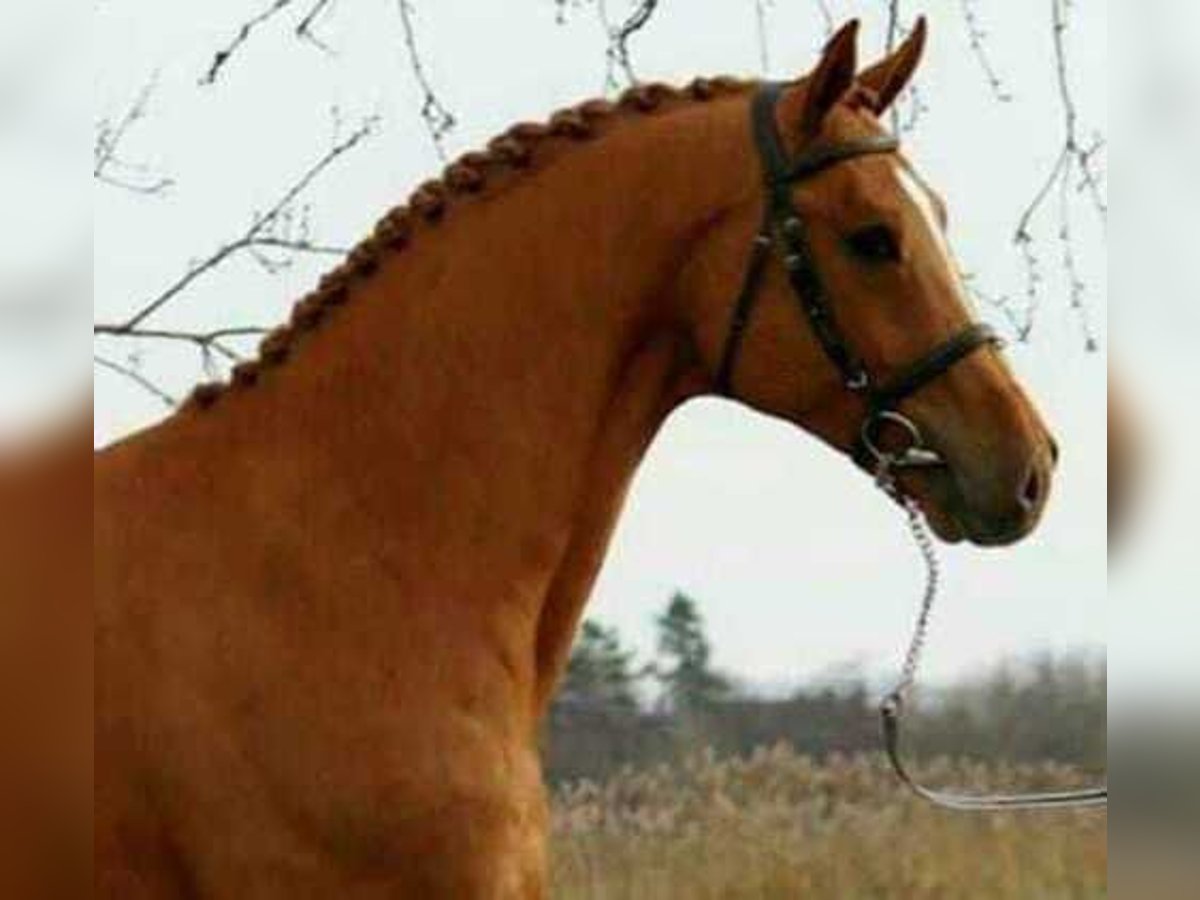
[515, 150]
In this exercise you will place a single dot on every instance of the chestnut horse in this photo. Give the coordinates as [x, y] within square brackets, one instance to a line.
[334, 597]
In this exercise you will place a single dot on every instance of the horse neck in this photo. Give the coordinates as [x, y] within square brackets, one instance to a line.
[474, 415]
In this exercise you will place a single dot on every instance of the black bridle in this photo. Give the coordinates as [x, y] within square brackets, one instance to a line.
[783, 226]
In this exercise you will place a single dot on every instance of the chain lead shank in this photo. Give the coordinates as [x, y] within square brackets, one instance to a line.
[892, 708]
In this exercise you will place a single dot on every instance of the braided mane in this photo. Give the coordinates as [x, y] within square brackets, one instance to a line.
[515, 150]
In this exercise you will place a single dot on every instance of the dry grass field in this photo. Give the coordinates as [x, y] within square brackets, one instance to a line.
[777, 826]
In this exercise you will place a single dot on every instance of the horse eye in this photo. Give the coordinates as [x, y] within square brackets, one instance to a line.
[875, 244]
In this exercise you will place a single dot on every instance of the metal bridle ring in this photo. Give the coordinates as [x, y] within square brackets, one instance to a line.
[915, 454]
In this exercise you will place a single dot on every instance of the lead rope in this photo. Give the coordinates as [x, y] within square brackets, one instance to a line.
[892, 708]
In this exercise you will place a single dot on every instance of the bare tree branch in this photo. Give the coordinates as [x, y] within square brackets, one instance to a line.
[915, 109]
[764, 44]
[1076, 286]
[826, 16]
[977, 36]
[636, 22]
[223, 56]
[208, 339]
[1075, 170]
[211, 344]
[132, 374]
[1083, 154]
[109, 167]
[304, 31]
[894, 29]
[618, 54]
[906, 114]
[263, 232]
[1026, 245]
[300, 245]
[560, 11]
[1001, 304]
[439, 120]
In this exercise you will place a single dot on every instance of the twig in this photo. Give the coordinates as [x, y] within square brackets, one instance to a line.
[300, 245]
[1075, 168]
[561, 7]
[1076, 285]
[764, 45]
[893, 26]
[891, 42]
[906, 114]
[916, 109]
[222, 57]
[618, 53]
[1082, 156]
[439, 120]
[211, 344]
[107, 164]
[1002, 304]
[137, 378]
[1026, 245]
[826, 16]
[977, 36]
[211, 339]
[304, 31]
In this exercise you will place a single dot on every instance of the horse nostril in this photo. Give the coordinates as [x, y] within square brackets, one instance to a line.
[1054, 451]
[1031, 494]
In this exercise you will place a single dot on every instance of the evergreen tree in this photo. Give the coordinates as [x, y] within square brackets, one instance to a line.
[690, 685]
[599, 674]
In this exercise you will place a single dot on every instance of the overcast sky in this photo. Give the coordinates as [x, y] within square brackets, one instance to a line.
[799, 564]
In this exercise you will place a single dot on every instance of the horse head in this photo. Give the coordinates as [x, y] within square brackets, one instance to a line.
[885, 360]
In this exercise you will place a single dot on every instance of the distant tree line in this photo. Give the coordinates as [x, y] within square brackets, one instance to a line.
[613, 711]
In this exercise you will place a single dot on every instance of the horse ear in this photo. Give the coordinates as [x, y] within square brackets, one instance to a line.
[888, 78]
[832, 79]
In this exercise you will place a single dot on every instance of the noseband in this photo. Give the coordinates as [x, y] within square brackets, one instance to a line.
[783, 227]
